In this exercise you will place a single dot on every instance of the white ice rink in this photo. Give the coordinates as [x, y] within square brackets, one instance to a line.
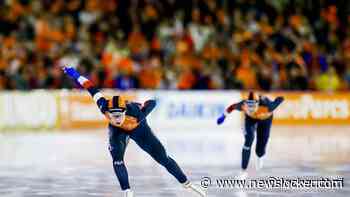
[77, 164]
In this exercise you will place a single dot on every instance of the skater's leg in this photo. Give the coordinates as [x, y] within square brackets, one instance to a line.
[118, 142]
[249, 130]
[151, 144]
[263, 134]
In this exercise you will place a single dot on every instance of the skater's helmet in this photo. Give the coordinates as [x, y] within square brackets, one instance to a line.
[252, 102]
[117, 110]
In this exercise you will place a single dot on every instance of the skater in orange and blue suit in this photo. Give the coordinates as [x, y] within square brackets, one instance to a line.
[127, 120]
[258, 112]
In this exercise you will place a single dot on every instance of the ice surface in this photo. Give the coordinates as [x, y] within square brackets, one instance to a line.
[78, 164]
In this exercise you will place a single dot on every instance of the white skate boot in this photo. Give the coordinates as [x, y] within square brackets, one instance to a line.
[195, 188]
[259, 163]
[128, 193]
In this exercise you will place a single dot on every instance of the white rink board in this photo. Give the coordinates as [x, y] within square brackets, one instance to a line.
[194, 110]
[34, 109]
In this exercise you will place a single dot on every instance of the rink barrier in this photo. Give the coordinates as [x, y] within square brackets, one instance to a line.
[176, 110]
[22, 110]
[313, 108]
[182, 110]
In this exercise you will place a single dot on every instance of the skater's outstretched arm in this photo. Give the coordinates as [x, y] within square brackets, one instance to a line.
[235, 106]
[95, 93]
[148, 106]
[272, 105]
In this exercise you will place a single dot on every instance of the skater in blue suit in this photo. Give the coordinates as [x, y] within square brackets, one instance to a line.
[258, 112]
[127, 120]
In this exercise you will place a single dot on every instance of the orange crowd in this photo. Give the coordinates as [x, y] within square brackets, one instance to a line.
[143, 44]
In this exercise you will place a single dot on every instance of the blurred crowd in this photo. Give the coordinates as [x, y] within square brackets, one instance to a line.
[173, 44]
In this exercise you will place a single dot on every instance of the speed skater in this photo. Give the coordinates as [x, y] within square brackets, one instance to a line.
[127, 120]
[258, 110]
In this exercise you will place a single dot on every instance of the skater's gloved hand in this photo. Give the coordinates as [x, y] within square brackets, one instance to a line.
[221, 119]
[70, 71]
[280, 99]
